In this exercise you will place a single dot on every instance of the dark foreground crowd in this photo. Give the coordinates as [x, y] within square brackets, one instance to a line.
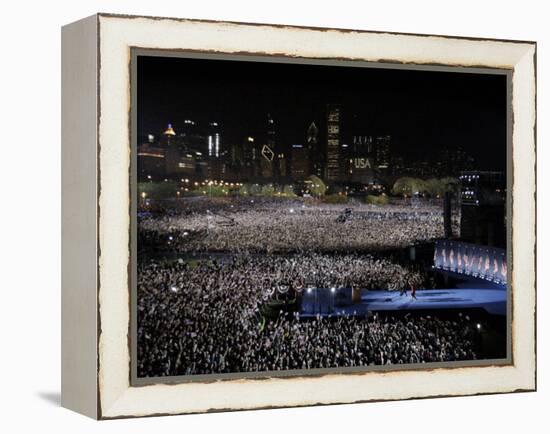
[205, 318]
[204, 315]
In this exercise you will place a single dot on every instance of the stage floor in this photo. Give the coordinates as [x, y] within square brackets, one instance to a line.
[492, 298]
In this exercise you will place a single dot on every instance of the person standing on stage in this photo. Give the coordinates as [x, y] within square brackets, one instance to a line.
[413, 290]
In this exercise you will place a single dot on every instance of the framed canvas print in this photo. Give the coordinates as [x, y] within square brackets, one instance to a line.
[260, 216]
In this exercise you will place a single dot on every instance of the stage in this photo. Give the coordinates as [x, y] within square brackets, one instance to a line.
[469, 293]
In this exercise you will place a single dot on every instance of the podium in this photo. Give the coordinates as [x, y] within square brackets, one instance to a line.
[355, 295]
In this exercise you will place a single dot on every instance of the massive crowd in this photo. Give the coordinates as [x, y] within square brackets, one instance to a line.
[201, 313]
[205, 318]
[269, 227]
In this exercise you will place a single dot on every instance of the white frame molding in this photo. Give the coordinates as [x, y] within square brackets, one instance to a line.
[96, 218]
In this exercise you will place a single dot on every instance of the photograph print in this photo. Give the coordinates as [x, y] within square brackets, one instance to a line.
[300, 217]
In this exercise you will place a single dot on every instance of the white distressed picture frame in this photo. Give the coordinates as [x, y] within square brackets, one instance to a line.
[96, 215]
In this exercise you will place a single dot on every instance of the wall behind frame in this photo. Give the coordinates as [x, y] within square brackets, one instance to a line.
[79, 217]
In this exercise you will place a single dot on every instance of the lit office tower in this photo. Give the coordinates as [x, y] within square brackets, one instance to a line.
[299, 162]
[315, 155]
[168, 135]
[251, 158]
[270, 132]
[361, 159]
[279, 158]
[213, 140]
[383, 152]
[269, 159]
[333, 166]
[215, 169]
[171, 152]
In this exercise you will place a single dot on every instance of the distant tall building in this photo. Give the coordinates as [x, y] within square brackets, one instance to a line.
[300, 162]
[333, 163]
[236, 154]
[279, 160]
[192, 139]
[251, 159]
[168, 137]
[361, 158]
[483, 208]
[315, 156]
[213, 140]
[382, 146]
[397, 165]
[171, 151]
[216, 165]
[452, 161]
[151, 161]
[269, 158]
[362, 144]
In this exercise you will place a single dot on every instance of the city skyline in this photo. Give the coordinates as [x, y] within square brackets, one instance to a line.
[296, 217]
[407, 105]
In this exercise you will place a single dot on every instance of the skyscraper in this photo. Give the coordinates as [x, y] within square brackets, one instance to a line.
[168, 136]
[383, 152]
[171, 151]
[216, 166]
[251, 159]
[268, 153]
[213, 140]
[300, 162]
[333, 163]
[151, 160]
[316, 163]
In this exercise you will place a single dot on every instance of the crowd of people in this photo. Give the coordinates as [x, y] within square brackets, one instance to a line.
[202, 313]
[269, 227]
[204, 318]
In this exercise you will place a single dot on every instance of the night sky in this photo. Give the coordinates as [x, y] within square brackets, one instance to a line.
[422, 111]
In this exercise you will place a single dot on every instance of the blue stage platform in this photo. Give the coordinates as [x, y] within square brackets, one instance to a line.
[469, 293]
